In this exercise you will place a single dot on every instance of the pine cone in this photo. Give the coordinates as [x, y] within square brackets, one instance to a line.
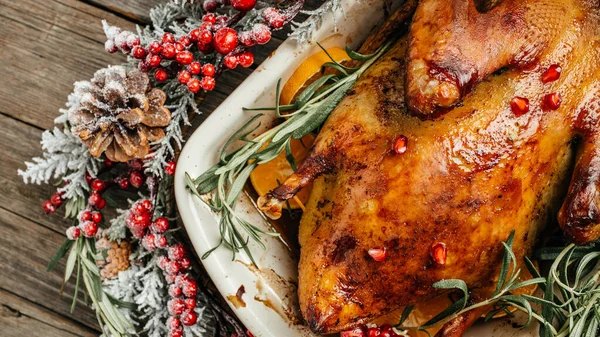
[117, 257]
[118, 113]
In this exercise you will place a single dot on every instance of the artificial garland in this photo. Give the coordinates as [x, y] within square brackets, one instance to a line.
[115, 145]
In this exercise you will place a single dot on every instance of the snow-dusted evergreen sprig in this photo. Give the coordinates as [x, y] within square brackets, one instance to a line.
[64, 156]
[303, 31]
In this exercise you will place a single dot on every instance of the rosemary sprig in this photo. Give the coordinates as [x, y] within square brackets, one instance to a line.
[570, 305]
[306, 114]
[82, 256]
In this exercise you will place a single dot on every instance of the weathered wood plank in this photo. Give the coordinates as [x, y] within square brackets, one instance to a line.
[136, 10]
[25, 249]
[19, 317]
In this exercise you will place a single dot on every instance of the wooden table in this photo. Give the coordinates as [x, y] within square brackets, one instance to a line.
[45, 46]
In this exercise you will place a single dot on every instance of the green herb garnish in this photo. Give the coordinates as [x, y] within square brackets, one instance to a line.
[307, 113]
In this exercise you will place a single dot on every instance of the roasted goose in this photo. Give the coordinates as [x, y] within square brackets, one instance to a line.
[470, 127]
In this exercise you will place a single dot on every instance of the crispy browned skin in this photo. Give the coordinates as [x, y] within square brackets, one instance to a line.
[467, 179]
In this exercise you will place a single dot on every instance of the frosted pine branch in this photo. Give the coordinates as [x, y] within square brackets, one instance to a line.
[66, 157]
[302, 31]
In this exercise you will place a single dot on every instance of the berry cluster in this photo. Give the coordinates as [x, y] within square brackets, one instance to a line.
[385, 330]
[53, 203]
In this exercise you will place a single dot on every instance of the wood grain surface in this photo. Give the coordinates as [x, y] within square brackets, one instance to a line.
[45, 46]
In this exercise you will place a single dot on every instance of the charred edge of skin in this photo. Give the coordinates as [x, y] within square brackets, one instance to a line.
[312, 168]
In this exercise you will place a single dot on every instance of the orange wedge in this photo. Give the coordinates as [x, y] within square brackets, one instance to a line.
[309, 71]
[268, 176]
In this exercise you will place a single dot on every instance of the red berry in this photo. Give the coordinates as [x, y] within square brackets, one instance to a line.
[184, 77]
[243, 5]
[96, 217]
[176, 306]
[173, 268]
[246, 59]
[170, 279]
[170, 168]
[108, 162]
[185, 263]
[552, 101]
[225, 40]
[400, 144]
[155, 47]
[168, 38]
[273, 17]
[246, 39]
[210, 5]
[194, 85]
[142, 220]
[221, 20]
[88, 178]
[173, 323]
[94, 199]
[179, 46]
[189, 318]
[147, 204]
[174, 290]
[161, 225]
[138, 52]
[160, 241]
[162, 262]
[230, 61]
[519, 105]
[208, 70]
[85, 216]
[101, 204]
[194, 34]
[181, 279]
[190, 288]
[438, 253]
[168, 51]
[185, 41]
[48, 207]
[378, 254]
[148, 242]
[133, 41]
[205, 48]
[209, 17]
[89, 229]
[552, 73]
[139, 208]
[110, 46]
[153, 60]
[160, 75]
[144, 66]
[98, 185]
[176, 252]
[124, 183]
[136, 179]
[208, 83]
[190, 303]
[73, 233]
[56, 199]
[261, 33]
[205, 37]
[176, 332]
[206, 26]
[195, 68]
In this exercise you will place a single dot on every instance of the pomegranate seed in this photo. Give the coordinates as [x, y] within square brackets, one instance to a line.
[170, 168]
[210, 18]
[168, 51]
[378, 254]
[136, 179]
[56, 199]
[98, 185]
[185, 263]
[519, 105]
[552, 101]
[205, 37]
[176, 306]
[176, 252]
[190, 303]
[246, 59]
[161, 225]
[552, 73]
[438, 253]
[189, 317]
[160, 241]
[208, 83]
[174, 291]
[225, 40]
[195, 68]
[155, 47]
[184, 77]
[261, 33]
[85, 216]
[194, 85]
[400, 144]
[138, 52]
[160, 75]
[168, 38]
[387, 331]
[173, 323]
[373, 332]
[230, 61]
[208, 70]
[243, 5]
[96, 217]
[356, 332]
[73, 233]
[154, 60]
[89, 229]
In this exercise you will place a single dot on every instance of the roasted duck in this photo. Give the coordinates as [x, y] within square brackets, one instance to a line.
[470, 127]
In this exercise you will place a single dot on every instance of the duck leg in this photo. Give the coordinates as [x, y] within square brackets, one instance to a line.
[579, 217]
[453, 46]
